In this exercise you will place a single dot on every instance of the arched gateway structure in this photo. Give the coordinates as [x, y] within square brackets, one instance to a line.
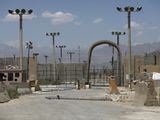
[101, 42]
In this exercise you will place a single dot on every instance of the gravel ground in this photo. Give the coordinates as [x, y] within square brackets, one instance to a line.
[37, 107]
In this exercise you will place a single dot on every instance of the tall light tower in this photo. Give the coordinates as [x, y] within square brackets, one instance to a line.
[118, 34]
[118, 66]
[20, 13]
[54, 51]
[129, 10]
[61, 54]
[70, 55]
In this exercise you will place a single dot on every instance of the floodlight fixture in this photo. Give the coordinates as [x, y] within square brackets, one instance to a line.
[23, 11]
[10, 11]
[119, 9]
[30, 11]
[17, 11]
[139, 9]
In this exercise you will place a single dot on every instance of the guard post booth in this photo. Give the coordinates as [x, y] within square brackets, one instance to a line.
[11, 75]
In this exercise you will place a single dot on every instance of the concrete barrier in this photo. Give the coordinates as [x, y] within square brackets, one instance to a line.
[4, 97]
[145, 94]
[140, 93]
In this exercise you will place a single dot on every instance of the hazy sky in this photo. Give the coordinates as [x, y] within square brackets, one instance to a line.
[80, 22]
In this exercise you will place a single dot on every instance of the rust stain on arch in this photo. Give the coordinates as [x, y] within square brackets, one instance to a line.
[101, 42]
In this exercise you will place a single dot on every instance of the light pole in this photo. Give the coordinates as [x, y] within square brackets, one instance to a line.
[61, 47]
[20, 13]
[29, 45]
[45, 56]
[54, 51]
[118, 34]
[118, 66]
[129, 10]
[70, 55]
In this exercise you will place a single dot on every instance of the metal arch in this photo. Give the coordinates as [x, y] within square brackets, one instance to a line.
[100, 42]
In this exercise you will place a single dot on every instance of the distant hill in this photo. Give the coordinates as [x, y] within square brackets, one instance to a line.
[146, 48]
[100, 55]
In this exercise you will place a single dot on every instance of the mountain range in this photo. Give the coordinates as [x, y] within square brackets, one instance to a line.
[101, 54]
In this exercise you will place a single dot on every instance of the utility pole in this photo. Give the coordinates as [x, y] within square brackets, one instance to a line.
[20, 13]
[54, 51]
[129, 10]
[61, 53]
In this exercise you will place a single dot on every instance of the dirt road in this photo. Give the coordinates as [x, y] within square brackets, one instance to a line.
[37, 107]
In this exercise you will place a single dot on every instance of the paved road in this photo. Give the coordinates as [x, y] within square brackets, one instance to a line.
[37, 107]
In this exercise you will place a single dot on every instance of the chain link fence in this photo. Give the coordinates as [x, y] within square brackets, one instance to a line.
[72, 73]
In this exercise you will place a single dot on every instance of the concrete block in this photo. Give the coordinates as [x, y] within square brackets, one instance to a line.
[140, 93]
[151, 95]
[4, 97]
[145, 94]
